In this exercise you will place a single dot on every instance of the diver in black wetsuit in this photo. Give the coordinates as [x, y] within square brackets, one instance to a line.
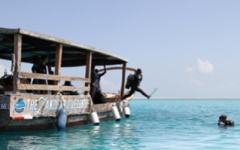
[39, 66]
[95, 90]
[135, 85]
[224, 122]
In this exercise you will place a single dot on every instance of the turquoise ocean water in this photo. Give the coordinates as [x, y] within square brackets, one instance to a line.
[154, 124]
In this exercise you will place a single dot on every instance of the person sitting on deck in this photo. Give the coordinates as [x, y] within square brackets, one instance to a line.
[135, 84]
[68, 83]
[95, 90]
[6, 83]
[224, 122]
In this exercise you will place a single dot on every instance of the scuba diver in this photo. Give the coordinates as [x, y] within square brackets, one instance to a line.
[223, 122]
[134, 83]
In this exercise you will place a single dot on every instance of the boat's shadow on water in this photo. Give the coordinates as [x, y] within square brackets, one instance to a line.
[108, 135]
[32, 139]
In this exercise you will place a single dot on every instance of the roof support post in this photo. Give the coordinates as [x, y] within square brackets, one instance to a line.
[17, 69]
[88, 70]
[58, 62]
[123, 78]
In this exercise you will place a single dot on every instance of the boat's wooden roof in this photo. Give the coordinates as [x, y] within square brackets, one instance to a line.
[35, 44]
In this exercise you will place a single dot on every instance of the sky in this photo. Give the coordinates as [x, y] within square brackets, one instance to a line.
[185, 48]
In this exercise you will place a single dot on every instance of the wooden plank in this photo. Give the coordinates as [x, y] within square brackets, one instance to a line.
[48, 105]
[118, 68]
[9, 31]
[58, 59]
[58, 62]
[123, 79]
[51, 87]
[53, 97]
[51, 77]
[88, 69]
[17, 52]
[100, 108]
[61, 41]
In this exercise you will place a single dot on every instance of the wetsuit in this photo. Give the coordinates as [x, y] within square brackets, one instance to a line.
[135, 84]
[95, 90]
[226, 123]
[39, 68]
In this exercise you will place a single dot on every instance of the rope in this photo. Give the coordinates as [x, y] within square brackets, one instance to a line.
[61, 100]
[52, 122]
[91, 105]
[62, 103]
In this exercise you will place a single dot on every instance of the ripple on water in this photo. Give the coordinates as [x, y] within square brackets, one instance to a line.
[154, 124]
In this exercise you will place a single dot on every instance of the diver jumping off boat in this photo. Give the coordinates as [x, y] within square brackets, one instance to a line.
[134, 83]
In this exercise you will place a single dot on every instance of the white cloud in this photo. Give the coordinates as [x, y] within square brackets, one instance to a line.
[205, 66]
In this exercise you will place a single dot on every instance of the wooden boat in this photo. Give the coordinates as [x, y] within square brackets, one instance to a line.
[20, 110]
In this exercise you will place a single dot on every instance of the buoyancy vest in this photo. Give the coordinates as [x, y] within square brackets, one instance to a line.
[226, 123]
[129, 81]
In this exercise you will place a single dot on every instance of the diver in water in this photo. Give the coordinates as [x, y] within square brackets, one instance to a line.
[223, 122]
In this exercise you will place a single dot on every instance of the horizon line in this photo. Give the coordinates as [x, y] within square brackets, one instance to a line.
[162, 98]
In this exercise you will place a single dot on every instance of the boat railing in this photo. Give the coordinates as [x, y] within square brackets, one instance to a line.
[24, 85]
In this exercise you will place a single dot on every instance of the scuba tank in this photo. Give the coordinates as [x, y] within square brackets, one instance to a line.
[129, 79]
